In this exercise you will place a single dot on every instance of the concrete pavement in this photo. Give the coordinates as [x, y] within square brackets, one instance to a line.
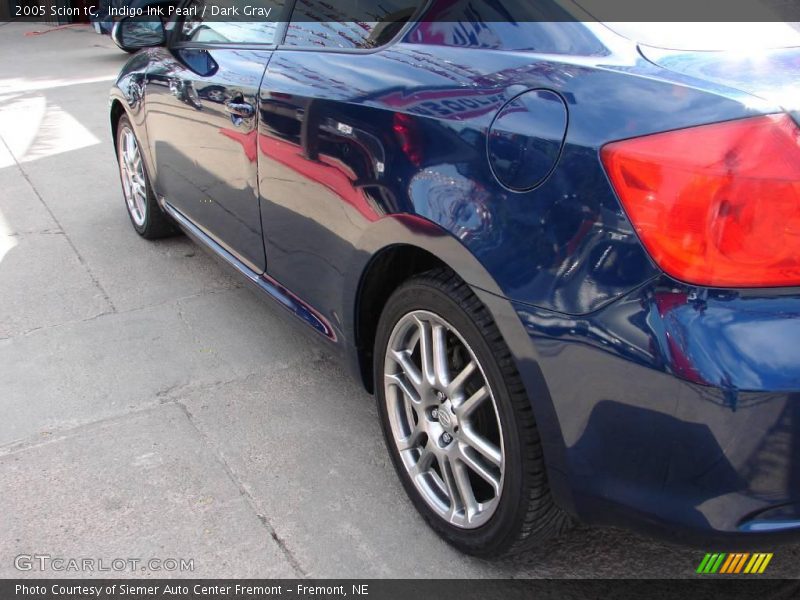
[152, 407]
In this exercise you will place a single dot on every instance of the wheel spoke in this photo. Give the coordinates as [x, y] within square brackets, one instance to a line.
[411, 441]
[134, 146]
[126, 179]
[412, 373]
[401, 381]
[130, 147]
[454, 389]
[485, 473]
[423, 465]
[481, 445]
[140, 203]
[441, 368]
[433, 352]
[466, 408]
[426, 351]
[451, 488]
[468, 502]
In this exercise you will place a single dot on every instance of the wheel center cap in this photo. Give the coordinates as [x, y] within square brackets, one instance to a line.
[447, 419]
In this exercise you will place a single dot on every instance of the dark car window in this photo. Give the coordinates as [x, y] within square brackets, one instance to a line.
[348, 23]
[224, 28]
[544, 26]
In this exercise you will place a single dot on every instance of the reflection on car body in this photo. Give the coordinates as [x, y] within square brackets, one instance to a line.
[459, 204]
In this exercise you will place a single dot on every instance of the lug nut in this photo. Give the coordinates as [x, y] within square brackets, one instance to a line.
[435, 413]
[446, 438]
[440, 396]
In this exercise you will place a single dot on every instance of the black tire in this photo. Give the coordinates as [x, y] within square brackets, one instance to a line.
[526, 513]
[156, 224]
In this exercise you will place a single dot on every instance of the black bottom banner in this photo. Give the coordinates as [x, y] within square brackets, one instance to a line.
[380, 589]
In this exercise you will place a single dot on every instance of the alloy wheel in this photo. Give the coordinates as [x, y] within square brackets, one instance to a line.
[134, 183]
[444, 419]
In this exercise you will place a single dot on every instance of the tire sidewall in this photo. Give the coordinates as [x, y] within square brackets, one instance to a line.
[498, 533]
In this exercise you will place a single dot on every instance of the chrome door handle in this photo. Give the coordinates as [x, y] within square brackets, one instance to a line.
[239, 111]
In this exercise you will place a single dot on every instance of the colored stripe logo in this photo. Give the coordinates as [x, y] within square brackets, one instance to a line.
[734, 563]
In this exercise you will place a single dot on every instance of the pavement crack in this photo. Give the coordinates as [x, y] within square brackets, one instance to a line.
[173, 393]
[251, 502]
[47, 231]
[168, 396]
[79, 256]
[107, 313]
[282, 545]
[57, 433]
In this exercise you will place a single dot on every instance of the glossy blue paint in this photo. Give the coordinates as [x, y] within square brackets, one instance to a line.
[526, 138]
[203, 152]
[706, 418]
[769, 75]
[660, 405]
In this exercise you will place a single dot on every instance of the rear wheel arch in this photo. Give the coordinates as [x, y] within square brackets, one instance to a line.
[416, 244]
[386, 271]
[120, 108]
[425, 246]
[116, 113]
[388, 268]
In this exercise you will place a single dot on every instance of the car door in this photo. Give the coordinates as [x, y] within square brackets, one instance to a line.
[330, 161]
[201, 117]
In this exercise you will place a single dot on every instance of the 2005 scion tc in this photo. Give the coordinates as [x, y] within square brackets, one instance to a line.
[565, 260]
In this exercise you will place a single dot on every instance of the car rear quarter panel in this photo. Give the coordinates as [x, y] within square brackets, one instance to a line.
[337, 186]
[566, 245]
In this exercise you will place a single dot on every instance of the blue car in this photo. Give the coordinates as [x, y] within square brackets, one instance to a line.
[564, 258]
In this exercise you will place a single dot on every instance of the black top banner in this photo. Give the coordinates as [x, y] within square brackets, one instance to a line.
[430, 11]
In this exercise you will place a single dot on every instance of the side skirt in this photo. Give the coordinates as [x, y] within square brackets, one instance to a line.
[262, 281]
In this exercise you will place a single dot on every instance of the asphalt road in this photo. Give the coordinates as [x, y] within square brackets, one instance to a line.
[152, 407]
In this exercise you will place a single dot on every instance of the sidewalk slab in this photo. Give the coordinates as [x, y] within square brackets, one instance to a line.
[144, 485]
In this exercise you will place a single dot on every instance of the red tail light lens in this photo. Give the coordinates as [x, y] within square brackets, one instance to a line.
[716, 205]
